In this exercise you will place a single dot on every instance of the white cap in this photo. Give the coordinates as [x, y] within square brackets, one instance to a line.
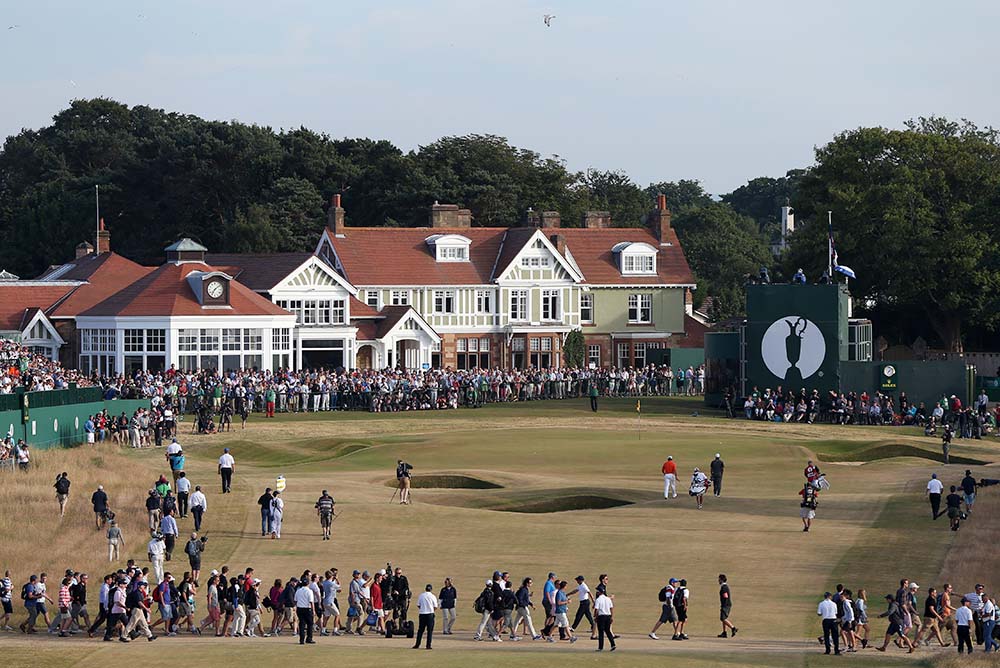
[381, 571]
[717, 455]
[914, 585]
[489, 582]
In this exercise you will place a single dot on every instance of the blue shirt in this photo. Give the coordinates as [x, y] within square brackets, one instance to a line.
[561, 600]
[549, 589]
[447, 598]
[168, 525]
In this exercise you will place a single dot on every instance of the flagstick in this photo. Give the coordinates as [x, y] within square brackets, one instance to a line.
[829, 243]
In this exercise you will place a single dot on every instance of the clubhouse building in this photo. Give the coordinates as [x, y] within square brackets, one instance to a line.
[445, 295]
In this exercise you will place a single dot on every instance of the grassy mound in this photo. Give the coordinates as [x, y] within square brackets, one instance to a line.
[891, 450]
[447, 481]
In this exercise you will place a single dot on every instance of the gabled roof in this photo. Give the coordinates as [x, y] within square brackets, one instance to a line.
[165, 292]
[258, 271]
[401, 256]
[389, 318]
[186, 244]
[515, 244]
[105, 274]
[16, 300]
[592, 251]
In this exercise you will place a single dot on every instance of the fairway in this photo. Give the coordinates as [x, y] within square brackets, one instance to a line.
[533, 488]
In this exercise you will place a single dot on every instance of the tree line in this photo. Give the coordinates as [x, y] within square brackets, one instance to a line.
[915, 209]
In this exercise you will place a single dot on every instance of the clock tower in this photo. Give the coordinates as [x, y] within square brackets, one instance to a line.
[215, 289]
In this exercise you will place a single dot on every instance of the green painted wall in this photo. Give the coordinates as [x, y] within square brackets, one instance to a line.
[60, 426]
[611, 310]
[924, 381]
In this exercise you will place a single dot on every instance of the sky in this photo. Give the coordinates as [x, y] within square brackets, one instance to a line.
[714, 90]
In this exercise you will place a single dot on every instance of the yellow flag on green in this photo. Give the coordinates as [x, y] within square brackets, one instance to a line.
[638, 405]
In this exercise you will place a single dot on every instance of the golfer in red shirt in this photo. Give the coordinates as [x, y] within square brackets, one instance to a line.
[669, 478]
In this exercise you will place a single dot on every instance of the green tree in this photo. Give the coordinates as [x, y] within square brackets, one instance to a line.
[681, 194]
[574, 348]
[722, 248]
[916, 214]
[615, 192]
[762, 199]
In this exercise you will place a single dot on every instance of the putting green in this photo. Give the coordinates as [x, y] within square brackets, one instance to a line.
[587, 494]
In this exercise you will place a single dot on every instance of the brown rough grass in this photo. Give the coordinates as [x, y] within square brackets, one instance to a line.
[31, 513]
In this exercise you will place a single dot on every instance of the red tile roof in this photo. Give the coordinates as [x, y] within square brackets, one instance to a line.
[105, 274]
[359, 309]
[591, 249]
[401, 256]
[166, 292]
[16, 299]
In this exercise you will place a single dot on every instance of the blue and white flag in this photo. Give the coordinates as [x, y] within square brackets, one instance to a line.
[840, 268]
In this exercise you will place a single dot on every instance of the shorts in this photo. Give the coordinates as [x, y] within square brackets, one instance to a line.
[214, 613]
[325, 520]
[724, 612]
[847, 626]
[62, 497]
[930, 623]
[331, 610]
[807, 513]
[970, 499]
[289, 615]
[667, 615]
[404, 483]
[896, 629]
[953, 512]
[562, 621]
[41, 609]
[379, 612]
[682, 615]
[183, 609]
[8, 609]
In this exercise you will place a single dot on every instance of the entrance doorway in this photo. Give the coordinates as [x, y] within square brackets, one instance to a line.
[322, 359]
[364, 357]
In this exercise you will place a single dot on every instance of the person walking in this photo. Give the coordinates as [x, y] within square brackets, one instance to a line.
[897, 625]
[427, 603]
[138, 600]
[548, 604]
[593, 393]
[485, 604]
[403, 478]
[699, 485]
[6, 601]
[277, 512]
[153, 509]
[227, 465]
[989, 614]
[169, 530]
[304, 601]
[716, 468]
[193, 549]
[584, 599]
[963, 620]
[324, 509]
[827, 611]
[264, 501]
[969, 490]
[603, 606]
[524, 606]
[725, 607]
[62, 491]
[561, 607]
[199, 504]
[104, 604]
[116, 541]
[807, 506]
[954, 505]
[669, 469]
[681, 597]
[99, 500]
[118, 607]
[667, 614]
[183, 493]
[155, 549]
[932, 619]
[975, 599]
[934, 489]
[447, 599]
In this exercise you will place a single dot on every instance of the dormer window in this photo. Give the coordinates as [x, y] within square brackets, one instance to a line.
[449, 247]
[635, 259]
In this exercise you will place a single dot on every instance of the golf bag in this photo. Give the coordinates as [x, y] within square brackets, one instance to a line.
[407, 628]
[821, 482]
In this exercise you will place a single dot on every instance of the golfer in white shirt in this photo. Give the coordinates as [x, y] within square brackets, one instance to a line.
[226, 467]
[427, 603]
[602, 608]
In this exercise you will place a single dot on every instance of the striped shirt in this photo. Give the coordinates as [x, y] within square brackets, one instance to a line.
[325, 504]
[64, 597]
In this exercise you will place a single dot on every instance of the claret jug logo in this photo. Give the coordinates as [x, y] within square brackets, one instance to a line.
[793, 349]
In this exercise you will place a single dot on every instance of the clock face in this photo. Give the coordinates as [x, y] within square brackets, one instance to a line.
[889, 371]
[215, 289]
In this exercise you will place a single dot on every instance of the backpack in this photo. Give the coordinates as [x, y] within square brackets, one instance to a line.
[679, 600]
[62, 486]
[938, 604]
[157, 595]
[25, 595]
[192, 549]
[809, 498]
[662, 595]
[484, 602]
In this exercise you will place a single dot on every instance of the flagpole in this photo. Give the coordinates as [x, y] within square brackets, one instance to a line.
[638, 410]
[97, 204]
[829, 245]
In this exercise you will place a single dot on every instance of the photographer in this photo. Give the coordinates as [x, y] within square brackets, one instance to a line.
[403, 477]
[193, 549]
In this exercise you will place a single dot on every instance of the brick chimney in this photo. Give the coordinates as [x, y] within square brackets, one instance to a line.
[449, 215]
[84, 249]
[103, 241]
[335, 216]
[551, 220]
[597, 220]
[559, 241]
[659, 219]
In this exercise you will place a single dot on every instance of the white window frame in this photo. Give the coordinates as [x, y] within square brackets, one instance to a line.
[484, 301]
[640, 308]
[444, 302]
[594, 355]
[338, 312]
[399, 298]
[587, 308]
[373, 296]
[452, 253]
[638, 263]
[519, 305]
[639, 353]
[550, 310]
